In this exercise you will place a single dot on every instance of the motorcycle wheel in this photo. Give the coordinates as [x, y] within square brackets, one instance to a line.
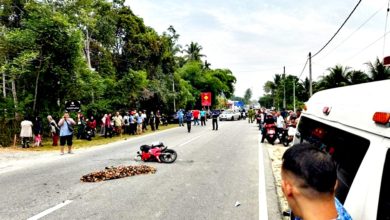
[271, 140]
[168, 156]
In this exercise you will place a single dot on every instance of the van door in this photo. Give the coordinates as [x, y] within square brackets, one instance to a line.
[347, 149]
[384, 195]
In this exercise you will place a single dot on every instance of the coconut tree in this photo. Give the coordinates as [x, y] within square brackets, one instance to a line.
[337, 77]
[357, 76]
[378, 71]
[193, 52]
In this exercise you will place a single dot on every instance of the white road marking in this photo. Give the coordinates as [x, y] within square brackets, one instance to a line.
[263, 207]
[192, 139]
[50, 210]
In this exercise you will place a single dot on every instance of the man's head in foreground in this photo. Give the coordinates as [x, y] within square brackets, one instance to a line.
[308, 181]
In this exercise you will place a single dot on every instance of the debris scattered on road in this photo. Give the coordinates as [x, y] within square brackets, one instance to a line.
[237, 204]
[117, 172]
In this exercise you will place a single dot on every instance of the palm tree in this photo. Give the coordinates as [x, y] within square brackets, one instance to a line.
[337, 77]
[378, 71]
[272, 87]
[206, 65]
[357, 77]
[193, 52]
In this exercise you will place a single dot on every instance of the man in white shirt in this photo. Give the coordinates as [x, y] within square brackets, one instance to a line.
[279, 122]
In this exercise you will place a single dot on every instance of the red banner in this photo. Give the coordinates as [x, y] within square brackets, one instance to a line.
[206, 98]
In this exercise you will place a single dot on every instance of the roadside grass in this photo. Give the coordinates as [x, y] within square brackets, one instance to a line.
[81, 143]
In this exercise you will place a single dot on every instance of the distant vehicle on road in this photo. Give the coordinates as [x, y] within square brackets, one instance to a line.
[229, 115]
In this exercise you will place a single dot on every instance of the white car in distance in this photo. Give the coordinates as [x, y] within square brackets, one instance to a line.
[229, 115]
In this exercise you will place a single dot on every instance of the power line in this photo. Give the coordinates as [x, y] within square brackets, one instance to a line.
[350, 14]
[347, 38]
[307, 60]
[384, 38]
[367, 47]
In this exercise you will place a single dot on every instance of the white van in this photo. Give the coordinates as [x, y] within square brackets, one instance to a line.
[352, 124]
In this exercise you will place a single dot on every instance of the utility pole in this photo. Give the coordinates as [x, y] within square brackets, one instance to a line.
[174, 93]
[310, 80]
[284, 87]
[294, 94]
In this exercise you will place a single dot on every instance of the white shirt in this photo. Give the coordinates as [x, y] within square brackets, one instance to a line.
[279, 122]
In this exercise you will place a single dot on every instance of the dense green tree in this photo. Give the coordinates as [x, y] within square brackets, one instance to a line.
[100, 53]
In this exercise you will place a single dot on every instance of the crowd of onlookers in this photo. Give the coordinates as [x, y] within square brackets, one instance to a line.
[107, 125]
[282, 119]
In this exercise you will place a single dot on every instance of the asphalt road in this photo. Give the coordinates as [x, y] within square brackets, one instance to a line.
[214, 170]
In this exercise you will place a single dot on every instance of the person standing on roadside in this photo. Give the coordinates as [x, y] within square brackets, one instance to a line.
[54, 130]
[66, 132]
[180, 116]
[195, 113]
[118, 122]
[126, 123]
[139, 123]
[203, 117]
[309, 180]
[188, 118]
[133, 123]
[158, 119]
[81, 124]
[103, 125]
[107, 126]
[26, 132]
[214, 116]
[152, 121]
[144, 121]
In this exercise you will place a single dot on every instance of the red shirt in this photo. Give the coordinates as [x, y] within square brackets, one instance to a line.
[196, 113]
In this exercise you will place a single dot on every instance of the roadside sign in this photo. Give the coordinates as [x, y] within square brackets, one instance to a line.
[72, 106]
[206, 98]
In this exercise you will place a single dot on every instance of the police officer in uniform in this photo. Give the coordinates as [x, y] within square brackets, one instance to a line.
[214, 116]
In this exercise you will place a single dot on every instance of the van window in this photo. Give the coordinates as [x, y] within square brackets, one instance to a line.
[347, 150]
[384, 196]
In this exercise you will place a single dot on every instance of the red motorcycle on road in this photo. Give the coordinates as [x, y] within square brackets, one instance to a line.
[157, 152]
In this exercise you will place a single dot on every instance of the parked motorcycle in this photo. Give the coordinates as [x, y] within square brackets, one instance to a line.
[150, 152]
[287, 135]
[164, 120]
[270, 133]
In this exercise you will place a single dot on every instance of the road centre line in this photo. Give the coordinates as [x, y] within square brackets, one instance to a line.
[192, 139]
[50, 210]
[263, 207]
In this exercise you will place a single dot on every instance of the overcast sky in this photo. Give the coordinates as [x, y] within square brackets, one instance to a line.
[256, 38]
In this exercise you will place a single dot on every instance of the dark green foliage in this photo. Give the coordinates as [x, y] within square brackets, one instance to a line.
[99, 53]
